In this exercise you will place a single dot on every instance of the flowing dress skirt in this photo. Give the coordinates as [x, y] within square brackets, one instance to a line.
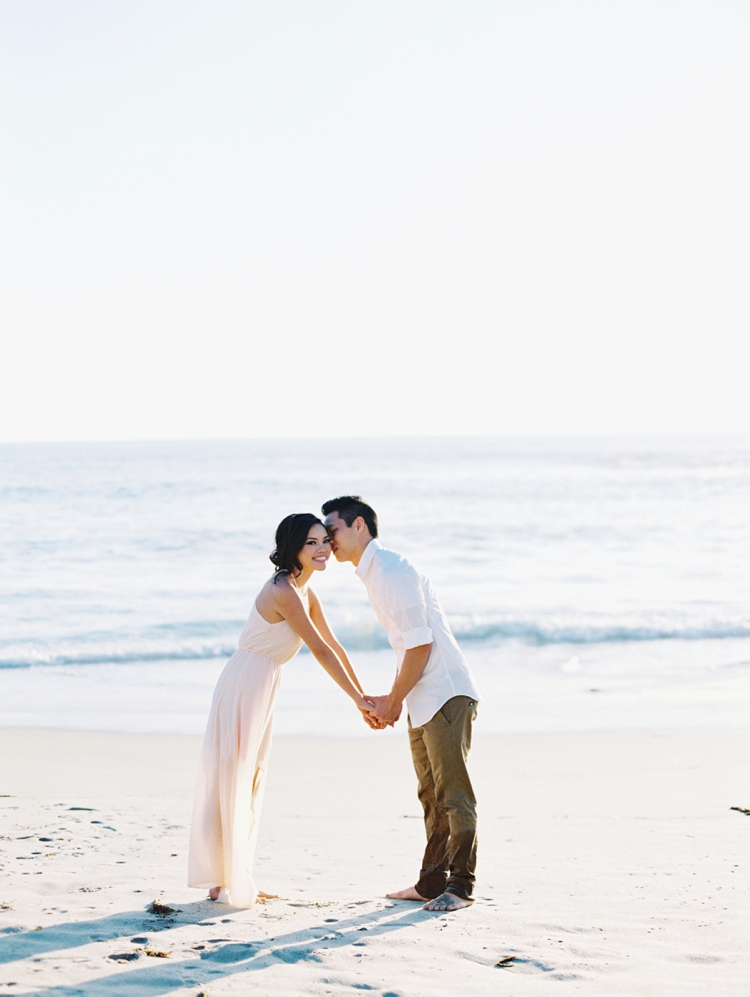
[231, 777]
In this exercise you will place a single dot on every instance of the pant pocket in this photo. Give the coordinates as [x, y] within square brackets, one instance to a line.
[445, 712]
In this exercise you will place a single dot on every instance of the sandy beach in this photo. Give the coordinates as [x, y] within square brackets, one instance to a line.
[609, 862]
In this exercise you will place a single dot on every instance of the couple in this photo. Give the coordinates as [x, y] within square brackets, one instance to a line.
[432, 676]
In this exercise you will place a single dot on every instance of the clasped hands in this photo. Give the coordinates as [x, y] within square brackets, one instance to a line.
[381, 711]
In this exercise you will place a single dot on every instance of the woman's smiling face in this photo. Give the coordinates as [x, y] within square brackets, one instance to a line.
[316, 549]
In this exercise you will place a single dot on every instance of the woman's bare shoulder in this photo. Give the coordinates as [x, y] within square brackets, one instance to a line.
[277, 594]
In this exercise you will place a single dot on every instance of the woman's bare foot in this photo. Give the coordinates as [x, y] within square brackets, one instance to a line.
[213, 894]
[408, 894]
[447, 901]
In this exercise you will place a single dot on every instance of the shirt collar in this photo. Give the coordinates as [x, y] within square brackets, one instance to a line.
[367, 556]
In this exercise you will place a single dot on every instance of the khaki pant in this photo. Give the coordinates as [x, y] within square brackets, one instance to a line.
[439, 750]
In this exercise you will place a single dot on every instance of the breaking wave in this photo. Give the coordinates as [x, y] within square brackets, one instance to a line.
[218, 639]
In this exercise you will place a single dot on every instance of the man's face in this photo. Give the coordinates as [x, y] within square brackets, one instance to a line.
[344, 539]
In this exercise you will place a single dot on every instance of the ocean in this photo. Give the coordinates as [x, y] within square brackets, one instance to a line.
[593, 583]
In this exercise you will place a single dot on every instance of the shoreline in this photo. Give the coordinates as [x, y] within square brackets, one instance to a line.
[545, 689]
[606, 860]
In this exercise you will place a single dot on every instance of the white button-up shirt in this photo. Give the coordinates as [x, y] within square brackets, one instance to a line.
[408, 610]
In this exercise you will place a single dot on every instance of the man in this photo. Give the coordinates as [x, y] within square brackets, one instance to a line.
[436, 682]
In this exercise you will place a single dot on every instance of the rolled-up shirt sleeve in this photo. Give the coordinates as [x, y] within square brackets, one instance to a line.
[404, 600]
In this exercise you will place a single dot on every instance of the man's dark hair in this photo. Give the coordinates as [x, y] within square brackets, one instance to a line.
[349, 507]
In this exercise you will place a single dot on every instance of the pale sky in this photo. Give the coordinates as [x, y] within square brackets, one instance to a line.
[373, 217]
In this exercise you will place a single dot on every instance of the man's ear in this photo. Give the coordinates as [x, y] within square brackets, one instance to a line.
[360, 524]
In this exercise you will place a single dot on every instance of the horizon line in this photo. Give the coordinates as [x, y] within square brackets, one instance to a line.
[655, 434]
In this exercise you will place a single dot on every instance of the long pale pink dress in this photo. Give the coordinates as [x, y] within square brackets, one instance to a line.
[233, 763]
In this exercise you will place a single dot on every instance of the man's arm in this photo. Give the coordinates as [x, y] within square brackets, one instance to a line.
[388, 708]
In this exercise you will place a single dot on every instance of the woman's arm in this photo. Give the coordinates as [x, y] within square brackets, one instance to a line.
[288, 603]
[321, 623]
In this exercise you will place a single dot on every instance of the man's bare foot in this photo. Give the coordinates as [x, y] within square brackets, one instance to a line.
[213, 893]
[447, 901]
[408, 894]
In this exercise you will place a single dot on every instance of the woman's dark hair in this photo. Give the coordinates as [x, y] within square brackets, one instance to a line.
[349, 507]
[290, 539]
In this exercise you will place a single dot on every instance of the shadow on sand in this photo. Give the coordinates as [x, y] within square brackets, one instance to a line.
[213, 963]
[24, 945]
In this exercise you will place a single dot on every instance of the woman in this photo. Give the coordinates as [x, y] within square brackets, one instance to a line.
[238, 736]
